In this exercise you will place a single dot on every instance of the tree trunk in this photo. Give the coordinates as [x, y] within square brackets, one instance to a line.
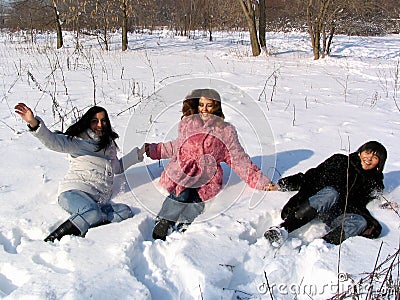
[316, 26]
[105, 38]
[251, 22]
[77, 25]
[324, 42]
[317, 44]
[124, 26]
[31, 28]
[331, 33]
[185, 27]
[332, 28]
[262, 24]
[312, 31]
[210, 22]
[57, 23]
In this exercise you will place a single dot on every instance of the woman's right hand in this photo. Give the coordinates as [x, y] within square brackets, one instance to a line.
[146, 148]
[26, 114]
[141, 151]
[272, 187]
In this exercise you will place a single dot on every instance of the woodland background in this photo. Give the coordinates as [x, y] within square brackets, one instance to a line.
[322, 19]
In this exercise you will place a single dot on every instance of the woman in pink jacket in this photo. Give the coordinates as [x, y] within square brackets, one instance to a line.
[194, 173]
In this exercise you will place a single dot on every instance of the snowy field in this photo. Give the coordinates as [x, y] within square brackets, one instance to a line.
[291, 113]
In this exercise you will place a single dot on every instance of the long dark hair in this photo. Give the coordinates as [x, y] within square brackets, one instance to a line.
[376, 148]
[190, 107]
[217, 109]
[83, 124]
[191, 102]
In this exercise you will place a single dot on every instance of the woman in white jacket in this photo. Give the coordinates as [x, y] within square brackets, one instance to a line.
[86, 189]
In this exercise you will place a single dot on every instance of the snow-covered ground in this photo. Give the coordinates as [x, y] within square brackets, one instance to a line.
[291, 113]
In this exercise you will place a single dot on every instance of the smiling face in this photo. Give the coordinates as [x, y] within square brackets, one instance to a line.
[206, 107]
[98, 123]
[369, 160]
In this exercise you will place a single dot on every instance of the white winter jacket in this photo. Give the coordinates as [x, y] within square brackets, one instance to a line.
[89, 171]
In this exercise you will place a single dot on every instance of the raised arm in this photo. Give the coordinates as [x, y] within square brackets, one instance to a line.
[53, 141]
[27, 115]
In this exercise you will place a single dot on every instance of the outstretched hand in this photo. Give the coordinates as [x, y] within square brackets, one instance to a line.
[389, 205]
[146, 148]
[141, 151]
[26, 114]
[272, 187]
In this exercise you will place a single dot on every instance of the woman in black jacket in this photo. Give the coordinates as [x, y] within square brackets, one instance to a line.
[337, 191]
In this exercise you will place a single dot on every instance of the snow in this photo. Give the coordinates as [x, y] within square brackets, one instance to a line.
[291, 113]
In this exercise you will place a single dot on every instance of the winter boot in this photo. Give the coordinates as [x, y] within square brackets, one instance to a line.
[66, 228]
[182, 227]
[334, 236]
[160, 230]
[276, 236]
[306, 212]
[303, 214]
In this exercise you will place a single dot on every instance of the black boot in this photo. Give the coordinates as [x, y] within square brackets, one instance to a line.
[160, 231]
[334, 236]
[303, 214]
[306, 212]
[66, 228]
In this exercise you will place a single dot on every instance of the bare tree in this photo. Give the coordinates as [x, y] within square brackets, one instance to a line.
[316, 18]
[208, 17]
[326, 17]
[102, 15]
[57, 23]
[262, 24]
[31, 15]
[124, 24]
[228, 15]
[249, 12]
[76, 16]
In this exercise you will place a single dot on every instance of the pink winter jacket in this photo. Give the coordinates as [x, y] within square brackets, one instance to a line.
[196, 156]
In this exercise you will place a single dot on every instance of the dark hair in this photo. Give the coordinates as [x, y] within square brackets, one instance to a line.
[376, 148]
[191, 102]
[190, 107]
[83, 124]
[217, 109]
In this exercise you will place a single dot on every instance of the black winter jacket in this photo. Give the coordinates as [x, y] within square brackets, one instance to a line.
[351, 181]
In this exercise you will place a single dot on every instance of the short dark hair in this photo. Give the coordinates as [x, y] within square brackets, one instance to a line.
[376, 148]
